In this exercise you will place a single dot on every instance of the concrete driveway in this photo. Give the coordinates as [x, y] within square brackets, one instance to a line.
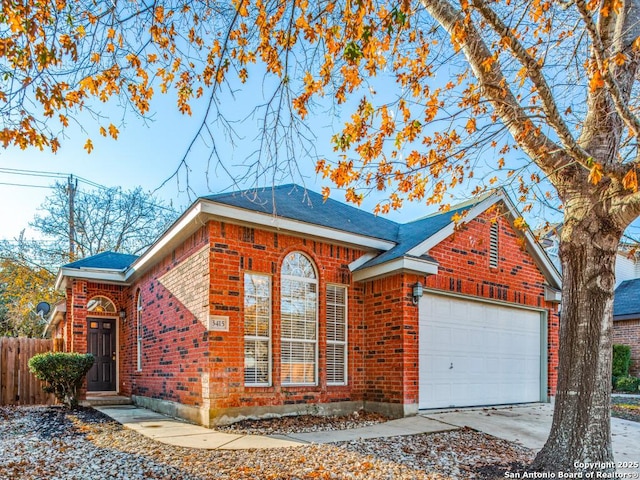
[529, 425]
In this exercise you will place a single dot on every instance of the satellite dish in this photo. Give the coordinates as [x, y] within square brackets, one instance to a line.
[43, 308]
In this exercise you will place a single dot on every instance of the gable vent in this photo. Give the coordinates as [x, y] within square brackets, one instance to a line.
[493, 245]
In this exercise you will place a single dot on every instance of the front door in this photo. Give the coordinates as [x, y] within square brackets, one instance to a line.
[102, 343]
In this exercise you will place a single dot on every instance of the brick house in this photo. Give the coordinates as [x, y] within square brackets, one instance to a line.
[626, 320]
[277, 302]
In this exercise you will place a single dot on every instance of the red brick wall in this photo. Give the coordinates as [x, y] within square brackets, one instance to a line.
[391, 340]
[627, 332]
[175, 342]
[464, 268]
[235, 250]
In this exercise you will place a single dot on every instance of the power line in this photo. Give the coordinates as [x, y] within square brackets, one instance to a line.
[25, 185]
[64, 176]
[33, 173]
[46, 174]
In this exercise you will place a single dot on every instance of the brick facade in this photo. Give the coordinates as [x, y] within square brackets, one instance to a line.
[627, 332]
[185, 364]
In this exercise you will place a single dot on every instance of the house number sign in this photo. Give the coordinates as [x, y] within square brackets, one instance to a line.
[219, 323]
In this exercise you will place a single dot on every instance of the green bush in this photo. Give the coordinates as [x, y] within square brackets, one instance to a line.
[628, 384]
[621, 360]
[63, 373]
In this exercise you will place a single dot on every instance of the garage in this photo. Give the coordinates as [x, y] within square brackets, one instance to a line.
[476, 353]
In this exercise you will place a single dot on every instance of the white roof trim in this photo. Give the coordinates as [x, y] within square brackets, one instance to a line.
[166, 241]
[552, 295]
[237, 214]
[101, 274]
[537, 252]
[447, 231]
[59, 309]
[195, 217]
[362, 260]
[402, 264]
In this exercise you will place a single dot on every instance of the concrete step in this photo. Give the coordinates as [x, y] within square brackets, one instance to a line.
[104, 400]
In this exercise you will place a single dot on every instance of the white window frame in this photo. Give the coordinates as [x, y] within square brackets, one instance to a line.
[259, 338]
[284, 339]
[139, 332]
[101, 304]
[344, 343]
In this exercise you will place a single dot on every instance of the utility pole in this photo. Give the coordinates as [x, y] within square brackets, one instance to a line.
[72, 186]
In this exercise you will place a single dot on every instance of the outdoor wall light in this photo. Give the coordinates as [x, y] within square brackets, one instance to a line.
[417, 292]
[123, 315]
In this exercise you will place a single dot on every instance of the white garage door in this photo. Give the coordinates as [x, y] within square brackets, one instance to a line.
[474, 353]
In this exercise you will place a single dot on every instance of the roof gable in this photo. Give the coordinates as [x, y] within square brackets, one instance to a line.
[417, 238]
[412, 234]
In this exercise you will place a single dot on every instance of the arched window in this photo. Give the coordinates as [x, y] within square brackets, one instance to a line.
[299, 320]
[100, 304]
[139, 331]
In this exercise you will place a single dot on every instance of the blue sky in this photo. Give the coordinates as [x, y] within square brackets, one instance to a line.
[146, 153]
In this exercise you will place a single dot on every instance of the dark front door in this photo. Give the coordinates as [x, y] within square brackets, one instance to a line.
[102, 343]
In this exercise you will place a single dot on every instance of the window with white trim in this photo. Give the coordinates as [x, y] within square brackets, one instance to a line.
[257, 330]
[139, 332]
[336, 335]
[299, 321]
[100, 304]
[493, 245]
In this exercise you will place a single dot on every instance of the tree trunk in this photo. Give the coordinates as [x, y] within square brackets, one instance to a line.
[580, 438]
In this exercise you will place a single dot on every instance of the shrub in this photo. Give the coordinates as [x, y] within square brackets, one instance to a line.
[621, 360]
[63, 373]
[628, 384]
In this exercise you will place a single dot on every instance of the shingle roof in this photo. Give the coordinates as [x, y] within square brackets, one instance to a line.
[104, 260]
[299, 204]
[413, 233]
[627, 298]
[296, 203]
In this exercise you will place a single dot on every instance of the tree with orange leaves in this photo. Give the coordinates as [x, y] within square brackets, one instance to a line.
[463, 80]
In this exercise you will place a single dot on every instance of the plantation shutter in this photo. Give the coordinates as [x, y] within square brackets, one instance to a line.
[257, 330]
[336, 335]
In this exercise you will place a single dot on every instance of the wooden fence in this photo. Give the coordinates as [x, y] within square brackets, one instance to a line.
[18, 386]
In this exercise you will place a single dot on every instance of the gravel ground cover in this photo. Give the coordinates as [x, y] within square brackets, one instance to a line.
[49, 443]
[626, 407]
[304, 424]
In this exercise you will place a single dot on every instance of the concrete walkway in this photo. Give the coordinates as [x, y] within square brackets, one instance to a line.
[392, 428]
[172, 431]
[529, 425]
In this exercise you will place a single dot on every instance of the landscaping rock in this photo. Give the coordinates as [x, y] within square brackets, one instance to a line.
[51, 443]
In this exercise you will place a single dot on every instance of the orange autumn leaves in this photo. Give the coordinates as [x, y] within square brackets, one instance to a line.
[67, 54]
